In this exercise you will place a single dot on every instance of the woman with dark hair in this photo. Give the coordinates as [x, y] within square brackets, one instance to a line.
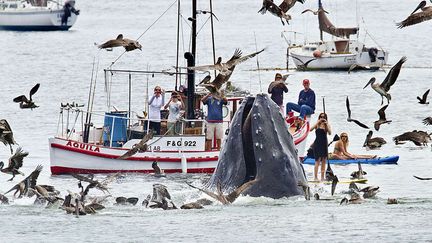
[322, 128]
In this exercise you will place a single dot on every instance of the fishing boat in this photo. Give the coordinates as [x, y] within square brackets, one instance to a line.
[374, 161]
[37, 15]
[339, 53]
[84, 145]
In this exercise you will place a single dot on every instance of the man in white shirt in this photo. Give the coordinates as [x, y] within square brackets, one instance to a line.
[155, 104]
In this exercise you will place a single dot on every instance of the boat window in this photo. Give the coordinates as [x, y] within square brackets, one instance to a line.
[13, 5]
[313, 48]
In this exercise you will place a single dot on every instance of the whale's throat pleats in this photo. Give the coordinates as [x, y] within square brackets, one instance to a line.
[247, 140]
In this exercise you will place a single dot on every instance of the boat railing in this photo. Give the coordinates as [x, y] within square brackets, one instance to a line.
[118, 127]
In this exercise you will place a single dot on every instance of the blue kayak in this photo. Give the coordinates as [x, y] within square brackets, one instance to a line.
[376, 161]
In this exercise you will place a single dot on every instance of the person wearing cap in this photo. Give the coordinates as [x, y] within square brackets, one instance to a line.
[306, 101]
[155, 104]
[214, 120]
[276, 89]
[175, 105]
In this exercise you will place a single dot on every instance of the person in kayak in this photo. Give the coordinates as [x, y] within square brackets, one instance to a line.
[320, 149]
[341, 150]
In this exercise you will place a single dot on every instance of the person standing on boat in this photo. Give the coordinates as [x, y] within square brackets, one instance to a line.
[214, 120]
[306, 101]
[155, 104]
[276, 89]
[175, 105]
[320, 149]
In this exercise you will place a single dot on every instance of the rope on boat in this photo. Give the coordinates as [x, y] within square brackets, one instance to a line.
[172, 4]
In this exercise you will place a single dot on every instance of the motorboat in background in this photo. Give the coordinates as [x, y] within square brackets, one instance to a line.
[37, 15]
[341, 53]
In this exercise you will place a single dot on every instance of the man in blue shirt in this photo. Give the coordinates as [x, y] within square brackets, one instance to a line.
[306, 101]
[214, 120]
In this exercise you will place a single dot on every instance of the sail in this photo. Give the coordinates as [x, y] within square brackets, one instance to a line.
[326, 26]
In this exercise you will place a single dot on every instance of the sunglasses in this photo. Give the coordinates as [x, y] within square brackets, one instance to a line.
[343, 136]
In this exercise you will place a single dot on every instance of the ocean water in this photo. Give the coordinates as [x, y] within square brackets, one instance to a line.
[62, 63]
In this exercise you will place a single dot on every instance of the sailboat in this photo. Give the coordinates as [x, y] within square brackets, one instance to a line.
[342, 53]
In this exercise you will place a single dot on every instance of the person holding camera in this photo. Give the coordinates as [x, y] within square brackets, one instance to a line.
[175, 105]
[214, 120]
[322, 128]
[155, 104]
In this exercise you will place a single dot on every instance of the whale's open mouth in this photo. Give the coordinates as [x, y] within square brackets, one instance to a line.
[247, 141]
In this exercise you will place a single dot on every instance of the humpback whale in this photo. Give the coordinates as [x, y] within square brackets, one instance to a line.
[259, 147]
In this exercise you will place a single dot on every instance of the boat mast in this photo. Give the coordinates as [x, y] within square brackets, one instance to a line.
[190, 63]
[321, 32]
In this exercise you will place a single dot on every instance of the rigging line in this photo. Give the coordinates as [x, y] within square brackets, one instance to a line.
[177, 46]
[212, 32]
[202, 26]
[367, 32]
[148, 28]
[259, 72]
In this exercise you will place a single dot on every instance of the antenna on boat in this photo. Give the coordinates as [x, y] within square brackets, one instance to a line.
[259, 72]
[212, 33]
[90, 100]
[178, 45]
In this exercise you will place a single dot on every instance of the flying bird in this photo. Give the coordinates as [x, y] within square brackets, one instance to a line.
[225, 71]
[15, 163]
[315, 12]
[423, 178]
[423, 99]
[101, 185]
[29, 182]
[427, 121]
[373, 143]
[228, 67]
[279, 11]
[128, 44]
[6, 134]
[415, 18]
[141, 146]
[382, 118]
[27, 103]
[390, 79]
[349, 119]
[303, 65]
[419, 138]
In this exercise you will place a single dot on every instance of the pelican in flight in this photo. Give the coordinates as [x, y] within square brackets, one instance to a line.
[423, 99]
[415, 18]
[427, 121]
[128, 44]
[6, 134]
[279, 11]
[419, 138]
[27, 103]
[390, 79]
[228, 67]
[15, 163]
[382, 118]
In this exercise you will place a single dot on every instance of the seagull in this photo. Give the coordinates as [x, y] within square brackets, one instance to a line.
[315, 12]
[128, 44]
[6, 135]
[27, 103]
[349, 116]
[415, 18]
[303, 65]
[358, 174]
[419, 138]
[427, 121]
[423, 99]
[15, 162]
[99, 185]
[390, 79]
[279, 11]
[139, 147]
[382, 118]
[228, 67]
[28, 182]
[375, 142]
